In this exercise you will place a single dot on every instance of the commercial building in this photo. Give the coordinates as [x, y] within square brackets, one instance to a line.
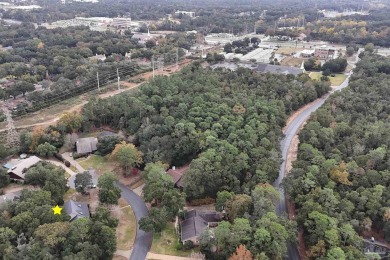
[190, 14]
[121, 23]
[325, 53]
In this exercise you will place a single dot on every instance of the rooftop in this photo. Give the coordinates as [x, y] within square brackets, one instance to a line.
[86, 145]
[177, 174]
[76, 209]
[20, 169]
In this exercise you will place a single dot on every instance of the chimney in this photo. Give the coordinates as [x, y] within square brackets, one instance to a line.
[173, 167]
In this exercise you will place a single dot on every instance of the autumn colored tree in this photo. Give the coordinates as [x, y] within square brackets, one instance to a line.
[241, 254]
[340, 175]
[70, 122]
[127, 156]
[36, 138]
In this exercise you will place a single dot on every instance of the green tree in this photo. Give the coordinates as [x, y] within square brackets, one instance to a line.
[46, 150]
[237, 206]
[222, 197]
[24, 86]
[155, 221]
[107, 144]
[108, 192]
[82, 181]
[4, 178]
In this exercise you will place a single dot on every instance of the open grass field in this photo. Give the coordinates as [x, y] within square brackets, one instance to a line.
[100, 163]
[287, 50]
[334, 81]
[292, 62]
[127, 227]
[165, 243]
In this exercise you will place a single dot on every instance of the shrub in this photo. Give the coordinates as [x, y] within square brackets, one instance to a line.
[59, 157]
[188, 245]
[67, 163]
[179, 246]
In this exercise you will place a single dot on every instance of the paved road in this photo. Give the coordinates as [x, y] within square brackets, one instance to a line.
[290, 131]
[143, 240]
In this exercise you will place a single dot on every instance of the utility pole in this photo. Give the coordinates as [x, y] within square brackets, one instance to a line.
[117, 73]
[177, 58]
[153, 65]
[13, 140]
[97, 76]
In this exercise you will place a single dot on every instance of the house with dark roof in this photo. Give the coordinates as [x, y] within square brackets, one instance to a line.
[76, 210]
[177, 175]
[195, 222]
[17, 172]
[86, 145]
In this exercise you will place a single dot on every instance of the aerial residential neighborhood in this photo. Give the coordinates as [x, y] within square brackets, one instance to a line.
[186, 130]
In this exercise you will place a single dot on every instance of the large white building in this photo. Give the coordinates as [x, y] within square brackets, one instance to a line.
[190, 14]
[121, 23]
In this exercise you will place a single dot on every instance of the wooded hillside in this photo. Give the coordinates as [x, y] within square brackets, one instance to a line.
[229, 121]
[340, 182]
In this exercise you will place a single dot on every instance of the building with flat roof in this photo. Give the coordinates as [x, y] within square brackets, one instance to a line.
[325, 53]
[121, 23]
[190, 14]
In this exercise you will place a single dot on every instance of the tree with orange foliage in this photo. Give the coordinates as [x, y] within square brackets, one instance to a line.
[241, 254]
[36, 138]
[127, 156]
[339, 174]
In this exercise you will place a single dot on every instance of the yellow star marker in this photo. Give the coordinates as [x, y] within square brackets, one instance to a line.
[57, 210]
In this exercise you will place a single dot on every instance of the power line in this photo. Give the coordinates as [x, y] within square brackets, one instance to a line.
[13, 139]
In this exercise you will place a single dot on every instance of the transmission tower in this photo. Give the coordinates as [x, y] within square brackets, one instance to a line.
[12, 136]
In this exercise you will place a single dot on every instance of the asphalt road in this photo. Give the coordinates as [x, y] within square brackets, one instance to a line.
[290, 131]
[143, 240]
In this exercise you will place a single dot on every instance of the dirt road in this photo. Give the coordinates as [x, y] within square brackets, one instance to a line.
[168, 70]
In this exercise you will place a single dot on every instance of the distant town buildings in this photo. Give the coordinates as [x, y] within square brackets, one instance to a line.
[346, 12]
[325, 53]
[121, 23]
[190, 14]
[9, 6]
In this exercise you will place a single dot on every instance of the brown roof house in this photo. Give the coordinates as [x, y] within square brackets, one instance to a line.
[195, 222]
[18, 171]
[177, 175]
[86, 145]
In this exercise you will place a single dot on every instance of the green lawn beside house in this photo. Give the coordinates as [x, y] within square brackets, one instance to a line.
[334, 81]
[165, 243]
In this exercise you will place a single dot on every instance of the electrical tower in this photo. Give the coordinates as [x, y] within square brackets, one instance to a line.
[12, 136]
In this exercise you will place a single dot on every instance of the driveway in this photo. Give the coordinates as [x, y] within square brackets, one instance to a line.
[143, 240]
[73, 162]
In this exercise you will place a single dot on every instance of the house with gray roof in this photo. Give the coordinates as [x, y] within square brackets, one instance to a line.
[76, 210]
[18, 171]
[86, 145]
[195, 222]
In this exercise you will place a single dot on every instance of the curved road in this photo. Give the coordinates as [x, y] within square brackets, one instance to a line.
[290, 131]
[143, 240]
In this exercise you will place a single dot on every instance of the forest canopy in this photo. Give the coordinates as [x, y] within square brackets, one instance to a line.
[340, 182]
[228, 122]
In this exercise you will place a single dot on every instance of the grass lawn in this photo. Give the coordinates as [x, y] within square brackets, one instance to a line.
[126, 230]
[287, 50]
[334, 81]
[100, 163]
[165, 242]
[69, 194]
